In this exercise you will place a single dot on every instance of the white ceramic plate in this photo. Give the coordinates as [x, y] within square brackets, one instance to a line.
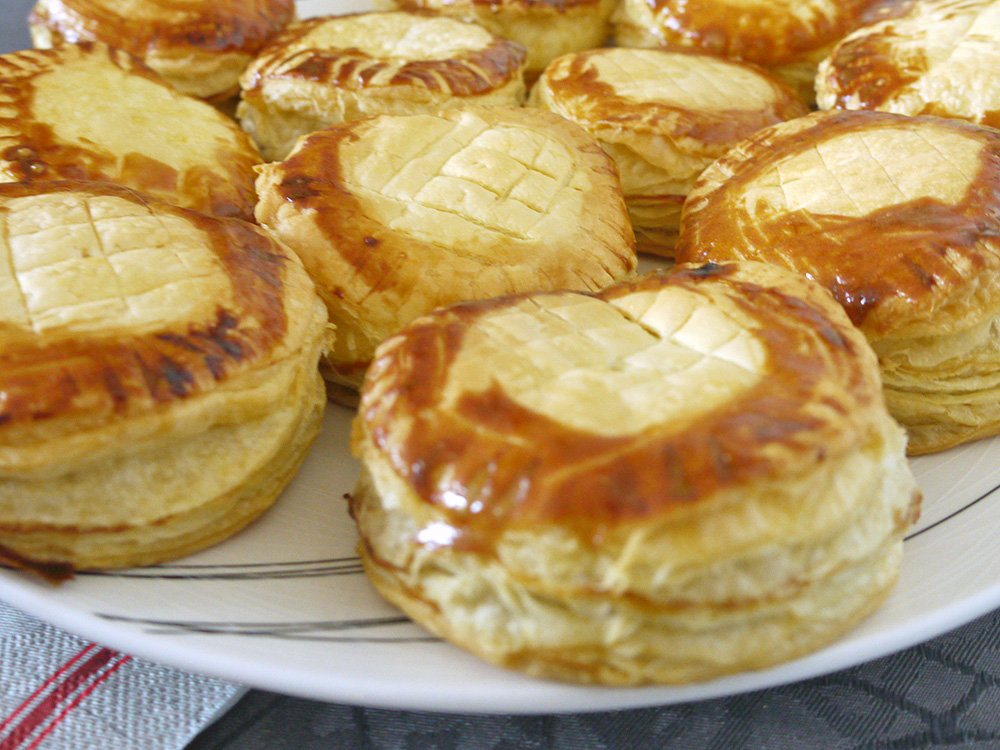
[284, 606]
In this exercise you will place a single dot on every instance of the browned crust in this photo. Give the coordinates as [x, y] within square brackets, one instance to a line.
[527, 7]
[887, 267]
[870, 68]
[52, 571]
[472, 73]
[516, 468]
[767, 33]
[867, 70]
[351, 253]
[95, 379]
[33, 152]
[218, 26]
[312, 180]
[575, 78]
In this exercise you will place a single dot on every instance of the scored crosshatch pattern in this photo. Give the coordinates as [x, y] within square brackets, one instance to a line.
[645, 375]
[685, 318]
[937, 55]
[476, 175]
[87, 264]
[841, 184]
[708, 86]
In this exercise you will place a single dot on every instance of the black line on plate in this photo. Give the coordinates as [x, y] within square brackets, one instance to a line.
[239, 571]
[952, 514]
[311, 638]
[349, 558]
[321, 630]
[366, 622]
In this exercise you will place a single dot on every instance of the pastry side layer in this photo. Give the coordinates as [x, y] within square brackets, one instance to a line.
[330, 69]
[927, 58]
[897, 217]
[89, 111]
[663, 117]
[160, 374]
[686, 475]
[201, 48]
[396, 215]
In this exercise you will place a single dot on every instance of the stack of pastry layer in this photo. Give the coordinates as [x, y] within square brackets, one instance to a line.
[330, 69]
[396, 215]
[935, 57]
[897, 217]
[546, 28]
[160, 382]
[201, 48]
[92, 111]
[663, 117]
[675, 478]
[787, 37]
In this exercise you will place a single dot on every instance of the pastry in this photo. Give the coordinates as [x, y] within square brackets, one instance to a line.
[679, 477]
[90, 111]
[663, 117]
[788, 37]
[330, 69]
[934, 57]
[160, 376]
[546, 28]
[397, 214]
[898, 217]
[200, 47]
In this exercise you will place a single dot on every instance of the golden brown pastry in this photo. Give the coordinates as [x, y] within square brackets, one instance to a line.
[663, 117]
[547, 28]
[330, 69]
[789, 37]
[936, 57]
[90, 111]
[679, 477]
[200, 47]
[160, 376]
[395, 215]
[898, 217]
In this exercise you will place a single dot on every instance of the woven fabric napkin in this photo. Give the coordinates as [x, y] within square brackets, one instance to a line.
[60, 692]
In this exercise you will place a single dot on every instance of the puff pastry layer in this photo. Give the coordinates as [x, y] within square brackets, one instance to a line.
[334, 68]
[546, 28]
[395, 215]
[679, 477]
[789, 37]
[90, 111]
[898, 217]
[663, 117]
[934, 57]
[200, 47]
[160, 381]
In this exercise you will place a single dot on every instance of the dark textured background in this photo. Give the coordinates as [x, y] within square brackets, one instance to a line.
[942, 694]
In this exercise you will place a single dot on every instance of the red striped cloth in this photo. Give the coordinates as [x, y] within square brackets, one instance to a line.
[60, 692]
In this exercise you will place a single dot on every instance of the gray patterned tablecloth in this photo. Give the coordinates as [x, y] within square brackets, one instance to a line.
[942, 694]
